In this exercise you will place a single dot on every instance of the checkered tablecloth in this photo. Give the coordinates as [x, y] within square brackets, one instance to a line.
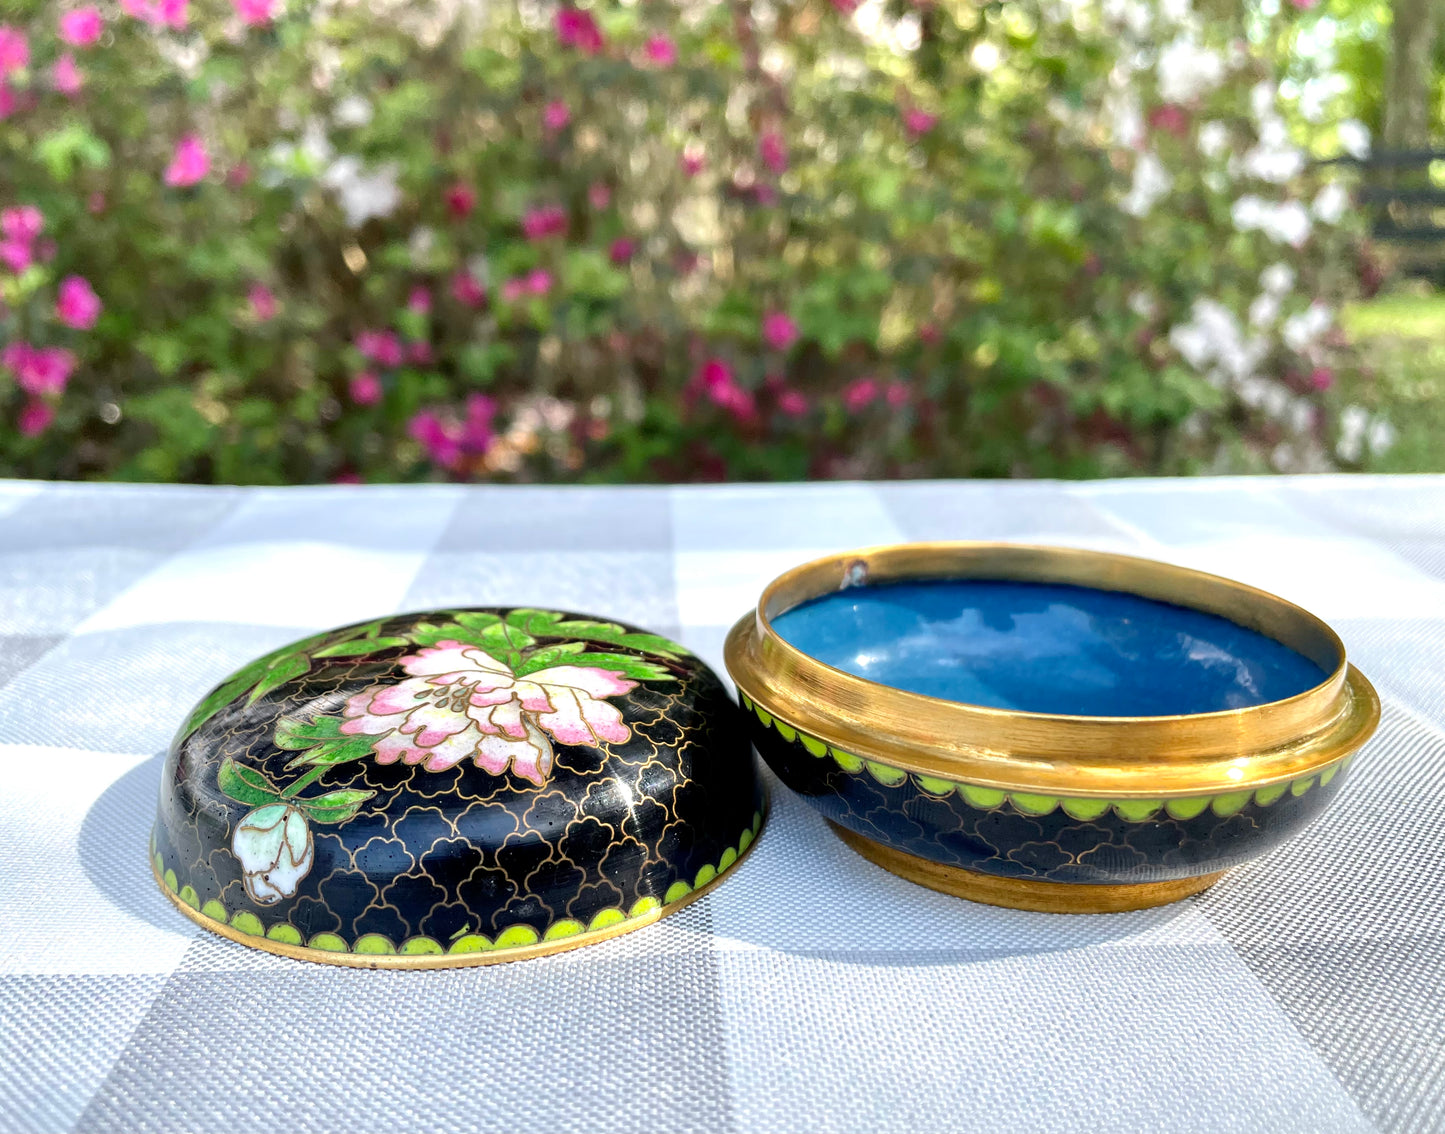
[811, 991]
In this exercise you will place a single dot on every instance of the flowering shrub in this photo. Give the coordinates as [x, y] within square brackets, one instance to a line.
[296, 240]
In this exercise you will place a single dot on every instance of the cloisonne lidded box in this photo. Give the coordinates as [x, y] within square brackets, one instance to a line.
[456, 787]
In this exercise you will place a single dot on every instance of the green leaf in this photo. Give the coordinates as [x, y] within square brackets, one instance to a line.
[336, 752]
[549, 624]
[246, 785]
[560, 654]
[334, 806]
[358, 647]
[625, 664]
[294, 734]
[293, 665]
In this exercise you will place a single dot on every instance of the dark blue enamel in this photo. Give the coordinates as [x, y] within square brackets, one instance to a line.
[1046, 648]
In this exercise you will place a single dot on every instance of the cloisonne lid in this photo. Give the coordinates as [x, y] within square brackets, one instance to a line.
[455, 787]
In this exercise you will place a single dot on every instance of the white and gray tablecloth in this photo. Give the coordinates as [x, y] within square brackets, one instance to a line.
[811, 990]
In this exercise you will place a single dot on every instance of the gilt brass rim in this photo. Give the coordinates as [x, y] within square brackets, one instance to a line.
[1025, 893]
[1141, 757]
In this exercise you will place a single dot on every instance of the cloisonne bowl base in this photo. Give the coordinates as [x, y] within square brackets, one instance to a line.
[457, 787]
[1047, 728]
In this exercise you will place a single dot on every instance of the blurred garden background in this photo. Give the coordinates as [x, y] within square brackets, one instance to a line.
[278, 241]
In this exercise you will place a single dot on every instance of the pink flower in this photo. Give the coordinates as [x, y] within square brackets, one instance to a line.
[461, 199]
[792, 403]
[1304, 5]
[779, 330]
[860, 394]
[76, 304]
[773, 151]
[15, 255]
[22, 224]
[365, 388]
[539, 281]
[918, 122]
[255, 13]
[190, 164]
[81, 27]
[65, 76]
[896, 394]
[845, 7]
[96, 203]
[540, 223]
[578, 29]
[38, 370]
[14, 50]
[555, 116]
[693, 162]
[381, 347]
[419, 353]
[661, 51]
[8, 102]
[157, 13]
[477, 429]
[347, 477]
[599, 195]
[1322, 378]
[1170, 117]
[717, 382]
[419, 300]
[461, 703]
[35, 418]
[467, 291]
[263, 303]
[440, 439]
[621, 251]
[929, 333]
[514, 289]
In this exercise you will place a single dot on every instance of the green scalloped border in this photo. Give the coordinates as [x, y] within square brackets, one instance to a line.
[513, 937]
[1076, 807]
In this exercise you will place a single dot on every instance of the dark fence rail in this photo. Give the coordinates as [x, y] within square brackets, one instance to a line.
[1406, 208]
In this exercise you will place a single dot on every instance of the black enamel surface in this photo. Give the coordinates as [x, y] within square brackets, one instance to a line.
[442, 853]
[1056, 847]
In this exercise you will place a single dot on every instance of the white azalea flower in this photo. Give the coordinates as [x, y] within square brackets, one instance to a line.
[1331, 202]
[353, 111]
[1213, 139]
[1264, 310]
[363, 193]
[1151, 182]
[274, 846]
[1303, 329]
[1277, 279]
[1187, 71]
[1354, 138]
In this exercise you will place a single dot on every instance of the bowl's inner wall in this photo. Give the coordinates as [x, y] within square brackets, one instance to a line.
[1046, 648]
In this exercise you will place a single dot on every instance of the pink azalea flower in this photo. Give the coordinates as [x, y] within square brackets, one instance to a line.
[539, 281]
[467, 291]
[419, 353]
[773, 151]
[929, 333]
[1304, 5]
[157, 13]
[599, 195]
[779, 330]
[1172, 118]
[81, 27]
[461, 703]
[514, 289]
[860, 394]
[365, 388]
[65, 76]
[461, 199]
[792, 403]
[896, 394]
[721, 388]
[918, 122]
[621, 251]
[96, 203]
[578, 29]
[35, 418]
[190, 163]
[545, 221]
[764, 194]
[419, 300]
[76, 304]
[14, 50]
[255, 13]
[1322, 378]
[381, 347]
[15, 255]
[693, 162]
[477, 429]
[8, 102]
[555, 116]
[22, 224]
[38, 370]
[263, 303]
[845, 7]
[661, 51]
[439, 438]
[347, 477]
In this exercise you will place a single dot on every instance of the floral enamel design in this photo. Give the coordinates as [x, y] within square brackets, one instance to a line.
[499, 690]
[460, 702]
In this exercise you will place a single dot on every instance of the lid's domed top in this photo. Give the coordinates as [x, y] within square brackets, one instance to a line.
[455, 787]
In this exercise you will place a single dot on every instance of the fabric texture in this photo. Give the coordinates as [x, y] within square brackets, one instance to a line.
[810, 991]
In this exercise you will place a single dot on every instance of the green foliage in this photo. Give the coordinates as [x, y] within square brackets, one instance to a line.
[968, 295]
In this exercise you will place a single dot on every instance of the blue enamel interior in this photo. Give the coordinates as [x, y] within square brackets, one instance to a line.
[1046, 648]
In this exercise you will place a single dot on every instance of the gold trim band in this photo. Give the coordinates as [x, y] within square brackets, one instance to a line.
[1024, 893]
[542, 948]
[1128, 757]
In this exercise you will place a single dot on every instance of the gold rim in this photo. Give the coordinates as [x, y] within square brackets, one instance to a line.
[458, 960]
[1140, 757]
[1025, 893]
